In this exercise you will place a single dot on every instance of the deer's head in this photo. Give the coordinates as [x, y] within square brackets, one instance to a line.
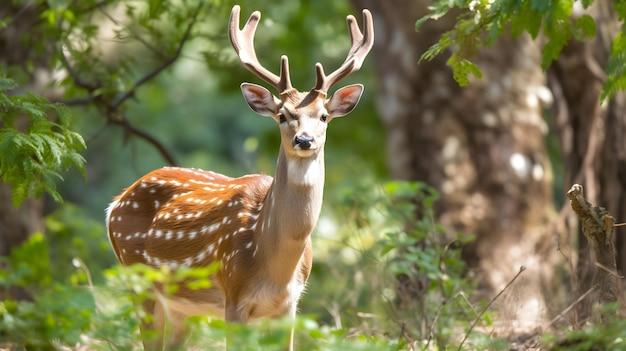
[302, 116]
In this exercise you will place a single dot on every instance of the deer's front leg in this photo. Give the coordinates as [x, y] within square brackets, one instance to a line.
[232, 314]
[292, 316]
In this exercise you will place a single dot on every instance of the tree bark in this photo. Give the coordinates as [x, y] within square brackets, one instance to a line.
[482, 146]
[16, 224]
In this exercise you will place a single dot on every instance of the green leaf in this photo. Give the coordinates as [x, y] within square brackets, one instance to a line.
[6, 84]
[552, 49]
[587, 3]
[462, 69]
[585, 27]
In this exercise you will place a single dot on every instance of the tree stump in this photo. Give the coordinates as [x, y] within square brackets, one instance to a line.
[597, 226]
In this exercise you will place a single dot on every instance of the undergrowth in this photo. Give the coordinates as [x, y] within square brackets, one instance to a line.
[387, 276]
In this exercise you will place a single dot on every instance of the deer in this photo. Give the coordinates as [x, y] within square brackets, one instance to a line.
[256, 226]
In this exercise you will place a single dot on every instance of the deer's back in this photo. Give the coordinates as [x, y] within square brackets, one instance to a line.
[187, 217]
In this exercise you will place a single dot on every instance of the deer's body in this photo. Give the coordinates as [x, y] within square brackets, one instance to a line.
[257, 227]
[189, 217]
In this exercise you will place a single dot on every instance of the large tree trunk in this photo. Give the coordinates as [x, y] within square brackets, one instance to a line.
[482, 146]
[16, 224]
[592, 137]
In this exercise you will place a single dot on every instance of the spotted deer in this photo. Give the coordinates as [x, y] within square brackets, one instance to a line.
[256, 226]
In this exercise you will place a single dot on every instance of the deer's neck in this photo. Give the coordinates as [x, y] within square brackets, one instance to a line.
[290, 213]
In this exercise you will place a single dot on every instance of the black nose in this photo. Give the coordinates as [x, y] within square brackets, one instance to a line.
[303, 141]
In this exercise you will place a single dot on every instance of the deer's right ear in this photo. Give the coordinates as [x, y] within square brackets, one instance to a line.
[260, 99]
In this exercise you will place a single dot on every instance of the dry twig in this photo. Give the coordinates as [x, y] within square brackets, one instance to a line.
[572, 305]
[469, 330]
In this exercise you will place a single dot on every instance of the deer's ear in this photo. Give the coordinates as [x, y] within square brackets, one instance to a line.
[344, 100]
[260, 99]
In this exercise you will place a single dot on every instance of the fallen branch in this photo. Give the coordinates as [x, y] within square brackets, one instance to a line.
[482, 312]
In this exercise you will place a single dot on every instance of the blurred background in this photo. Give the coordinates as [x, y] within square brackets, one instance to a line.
[436, 194]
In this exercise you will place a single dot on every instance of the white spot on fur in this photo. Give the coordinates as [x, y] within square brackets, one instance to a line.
[210, 228]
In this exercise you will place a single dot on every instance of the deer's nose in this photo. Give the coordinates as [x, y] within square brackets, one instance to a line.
[303, 141]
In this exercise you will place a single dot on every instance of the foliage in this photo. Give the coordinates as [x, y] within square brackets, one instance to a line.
[609, 335]
[67, 308]
[385, 267]
[481, 22]
[36, 143]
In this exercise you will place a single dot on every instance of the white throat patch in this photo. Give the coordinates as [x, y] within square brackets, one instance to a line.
[305, 171]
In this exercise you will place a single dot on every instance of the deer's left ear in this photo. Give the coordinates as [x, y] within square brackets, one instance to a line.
[344, 100]
[260, 99]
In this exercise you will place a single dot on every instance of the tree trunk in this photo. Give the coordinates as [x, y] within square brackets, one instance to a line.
[482, 146]
[592, 138]
[16, 224]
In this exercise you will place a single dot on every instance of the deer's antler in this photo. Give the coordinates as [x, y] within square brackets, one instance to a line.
[243, 42]
[362, 43]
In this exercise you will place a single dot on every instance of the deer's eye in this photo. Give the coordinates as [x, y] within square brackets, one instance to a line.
[324, 117]
[282, 118]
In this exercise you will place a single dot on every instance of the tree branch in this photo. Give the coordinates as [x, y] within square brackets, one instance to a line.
[155, 72]
[90, 87]
[150, 139]
[111, 107]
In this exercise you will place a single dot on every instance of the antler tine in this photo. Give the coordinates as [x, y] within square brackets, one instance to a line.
[243, 43]
[362, 43]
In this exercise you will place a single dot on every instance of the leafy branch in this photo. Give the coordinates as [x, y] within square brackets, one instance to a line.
[111, 104]
[481, 22]
[36, 144]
